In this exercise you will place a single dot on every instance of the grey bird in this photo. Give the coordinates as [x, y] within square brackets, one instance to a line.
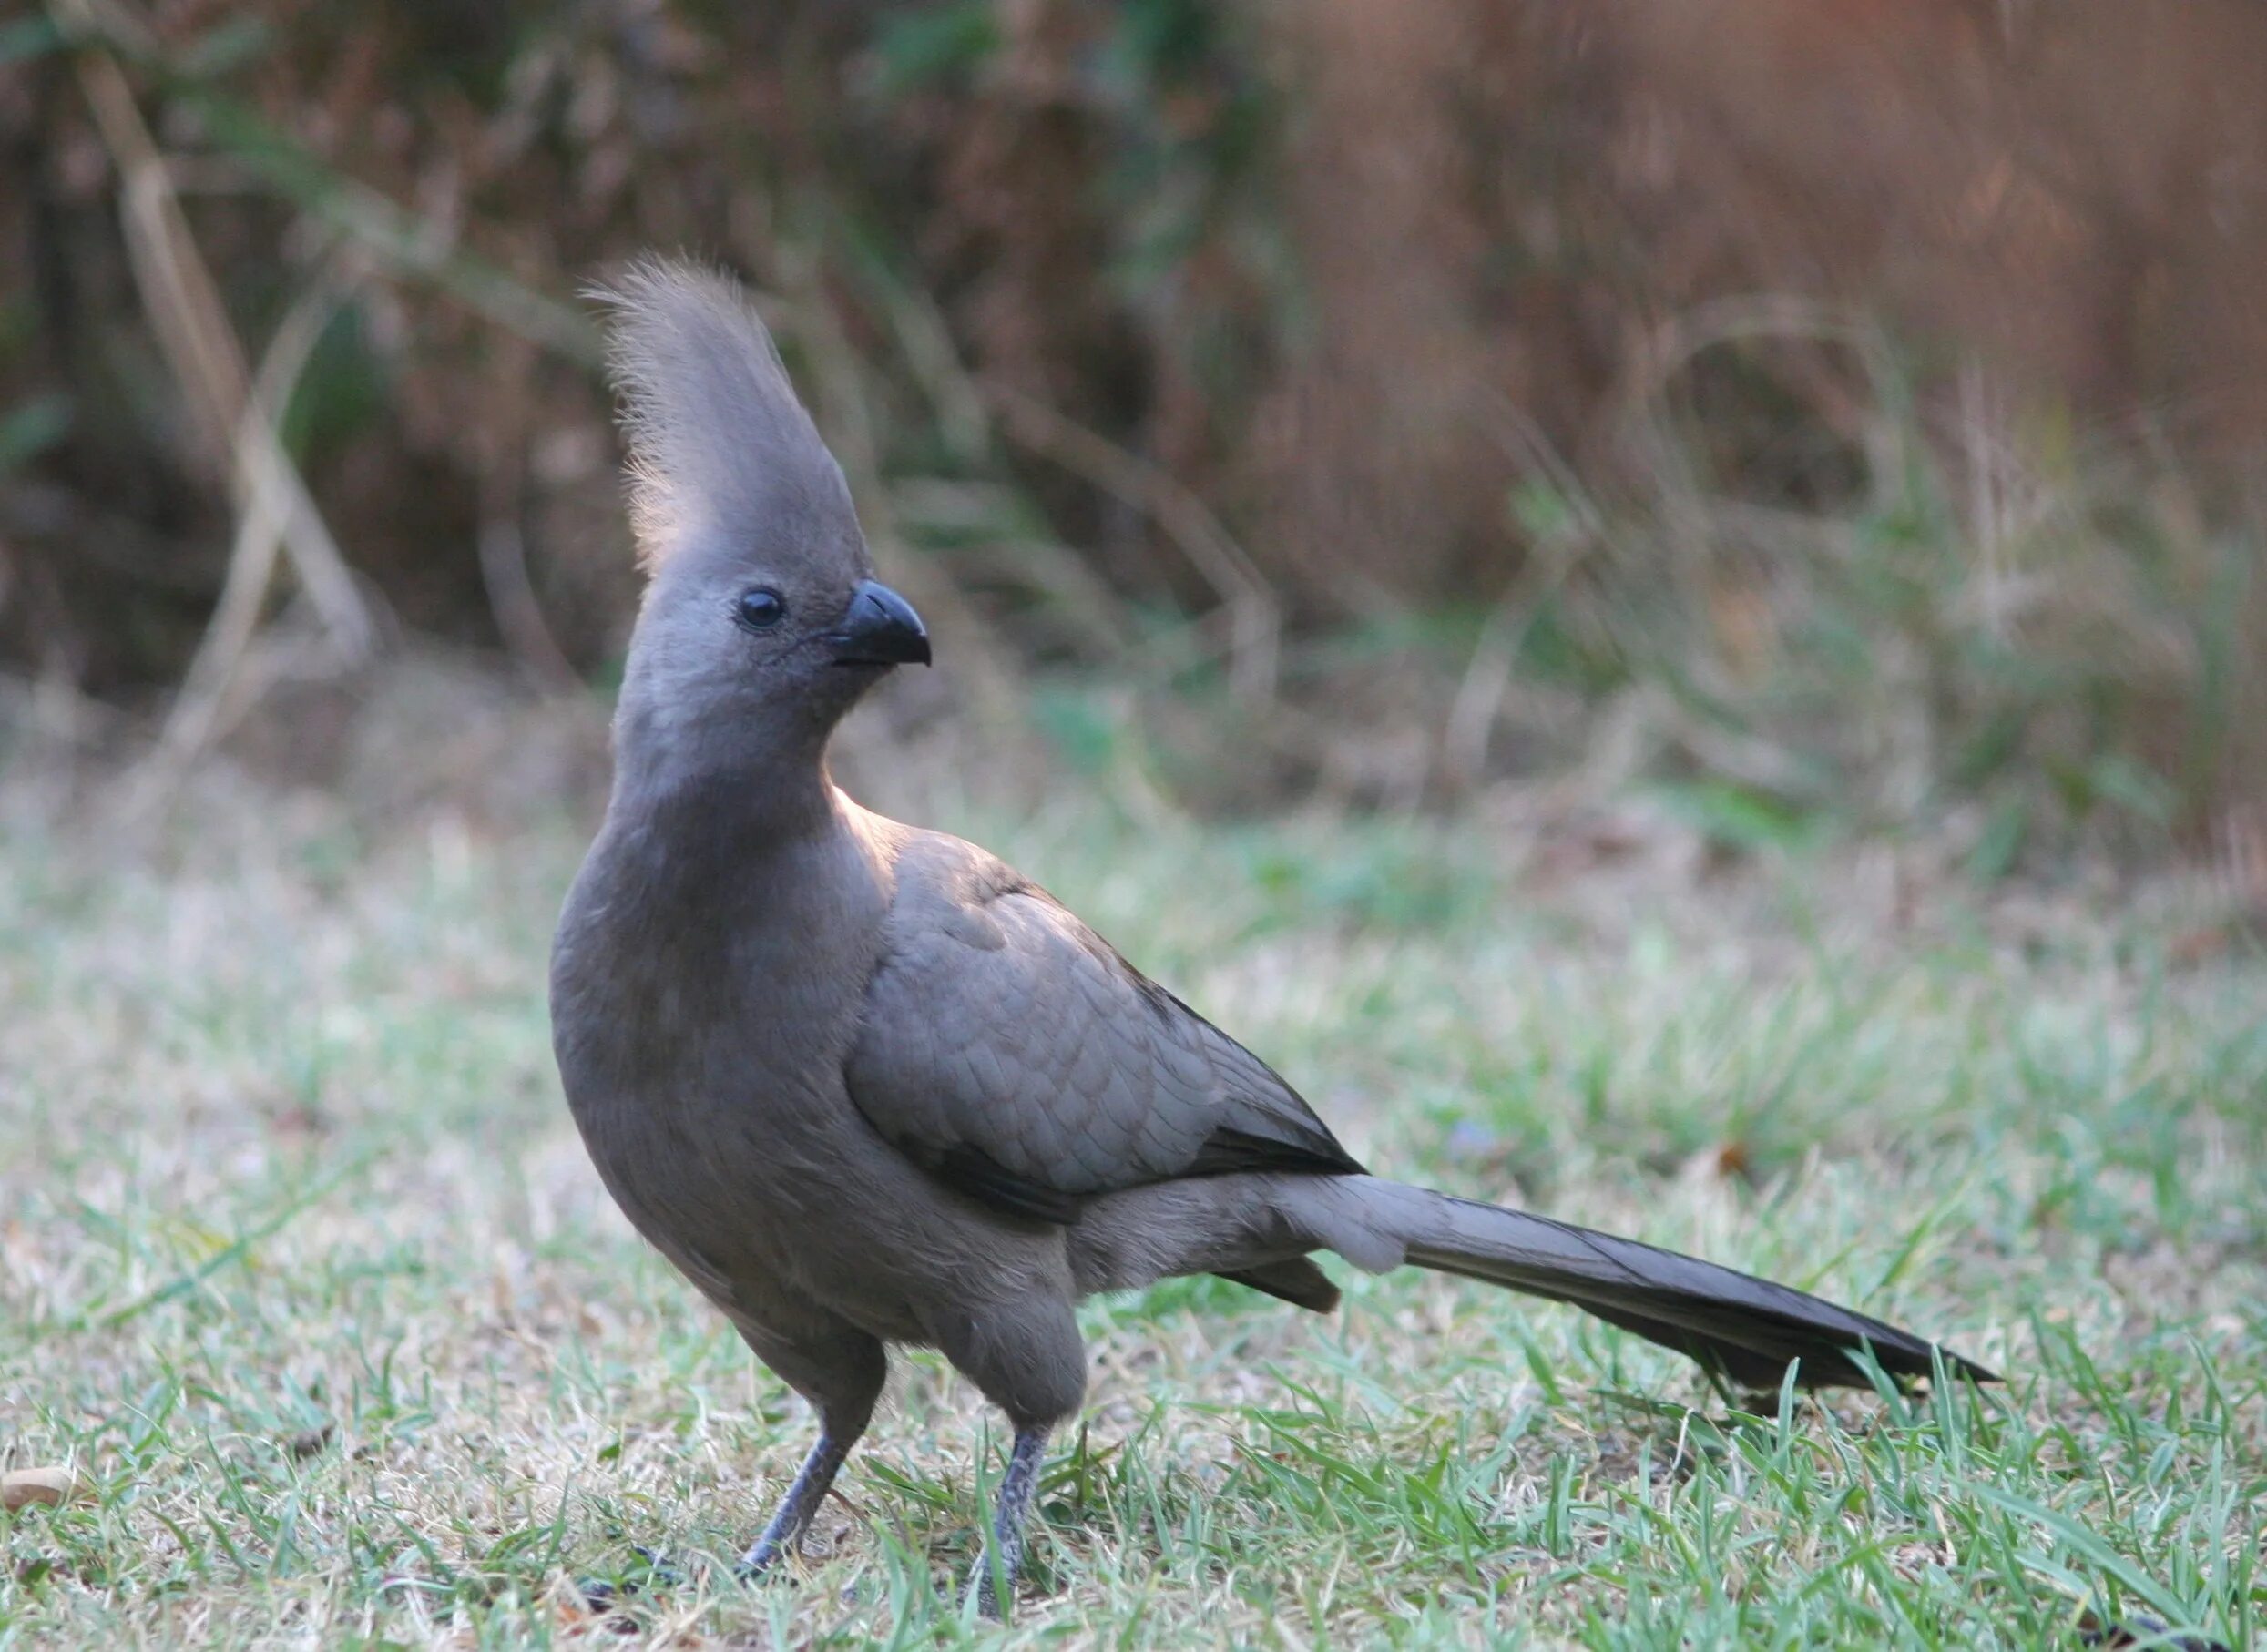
[864, 1085]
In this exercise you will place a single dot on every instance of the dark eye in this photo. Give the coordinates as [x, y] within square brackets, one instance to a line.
[761, 608]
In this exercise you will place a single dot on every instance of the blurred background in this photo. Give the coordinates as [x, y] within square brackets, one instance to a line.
[1830, 415]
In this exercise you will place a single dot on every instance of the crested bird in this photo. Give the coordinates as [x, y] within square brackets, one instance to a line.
[864, 1084]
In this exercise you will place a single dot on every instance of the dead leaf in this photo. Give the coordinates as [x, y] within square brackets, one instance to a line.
[20, 1488]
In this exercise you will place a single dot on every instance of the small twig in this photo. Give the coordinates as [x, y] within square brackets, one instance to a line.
[927, 344]
[812, 321]
[1479, 696]
[964, 421]
[185, 310]
[1256, 620]
[423, 246]
[511, 594]
[201, 708]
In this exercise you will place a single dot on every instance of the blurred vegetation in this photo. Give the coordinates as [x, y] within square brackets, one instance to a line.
[1836, 413]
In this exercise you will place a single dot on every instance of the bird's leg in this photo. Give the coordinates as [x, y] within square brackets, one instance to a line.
[840, 1370]
[793, 1516]
[1002, 1557]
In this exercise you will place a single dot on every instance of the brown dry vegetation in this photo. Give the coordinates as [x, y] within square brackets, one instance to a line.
[1860, 399]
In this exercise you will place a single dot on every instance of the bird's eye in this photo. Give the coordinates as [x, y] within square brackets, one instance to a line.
[761, 608]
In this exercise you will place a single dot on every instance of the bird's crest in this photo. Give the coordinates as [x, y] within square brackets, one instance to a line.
[716, 433]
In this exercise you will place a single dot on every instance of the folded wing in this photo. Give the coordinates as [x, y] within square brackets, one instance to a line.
[1007, 1049]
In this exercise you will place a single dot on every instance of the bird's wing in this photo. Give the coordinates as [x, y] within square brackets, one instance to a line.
[1008, 1049]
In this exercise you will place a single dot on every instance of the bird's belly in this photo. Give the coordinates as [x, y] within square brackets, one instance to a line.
[774, 1206]
[735, 1180]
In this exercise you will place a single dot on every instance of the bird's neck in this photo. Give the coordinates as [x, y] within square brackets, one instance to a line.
[720, 778]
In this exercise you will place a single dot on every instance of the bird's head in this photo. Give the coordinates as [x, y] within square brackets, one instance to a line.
[762, 622]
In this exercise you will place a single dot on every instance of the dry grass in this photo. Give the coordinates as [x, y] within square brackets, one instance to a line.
[302, 1268]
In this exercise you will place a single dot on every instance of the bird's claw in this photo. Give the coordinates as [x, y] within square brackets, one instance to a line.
[983, 1592]
[656, 1575]
[761, 1564]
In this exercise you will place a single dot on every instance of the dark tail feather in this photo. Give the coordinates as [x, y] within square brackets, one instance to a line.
[1296, 1280]
[1745, 1330]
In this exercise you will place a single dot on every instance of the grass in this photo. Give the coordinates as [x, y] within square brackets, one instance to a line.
[303, 1269]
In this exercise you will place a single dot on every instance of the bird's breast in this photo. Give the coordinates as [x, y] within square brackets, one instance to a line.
[701, 1032]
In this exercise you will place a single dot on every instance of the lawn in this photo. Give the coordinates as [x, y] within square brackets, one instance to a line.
[303, 1272]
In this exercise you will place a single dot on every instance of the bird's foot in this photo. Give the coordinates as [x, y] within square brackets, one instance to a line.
[761, 1564]
[984, 1591]
[649, 1574]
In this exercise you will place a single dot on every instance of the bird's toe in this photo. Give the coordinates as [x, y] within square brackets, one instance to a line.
[985, 1595]
[648, 1574]
[761, 1564]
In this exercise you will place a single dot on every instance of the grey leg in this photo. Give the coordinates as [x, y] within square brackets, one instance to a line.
[840, 1370]
[793, 1516]
[1003, 1557]
[1025, 1356]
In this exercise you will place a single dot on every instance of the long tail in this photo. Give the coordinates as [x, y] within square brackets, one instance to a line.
[1746, 1329]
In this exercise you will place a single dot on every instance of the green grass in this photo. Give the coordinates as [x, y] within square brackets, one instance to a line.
[302, 1266]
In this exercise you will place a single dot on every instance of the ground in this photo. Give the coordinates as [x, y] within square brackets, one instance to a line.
[303, 1272]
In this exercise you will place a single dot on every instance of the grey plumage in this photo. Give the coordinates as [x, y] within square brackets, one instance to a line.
[863, 1084]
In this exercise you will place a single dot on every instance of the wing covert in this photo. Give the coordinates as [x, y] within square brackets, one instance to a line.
[1011, 1052]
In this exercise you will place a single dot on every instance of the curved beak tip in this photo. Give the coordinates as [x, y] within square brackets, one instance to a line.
[879, 629]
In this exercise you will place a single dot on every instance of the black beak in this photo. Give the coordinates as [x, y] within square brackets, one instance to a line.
[879, 629]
